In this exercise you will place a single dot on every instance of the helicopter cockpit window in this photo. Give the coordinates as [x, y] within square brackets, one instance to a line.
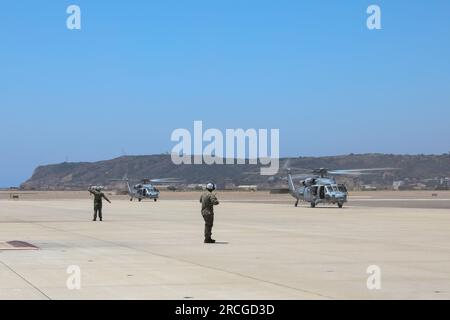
[342, 188]
[329, 189]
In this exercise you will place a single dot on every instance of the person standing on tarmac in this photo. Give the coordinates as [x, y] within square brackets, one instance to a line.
[208, 201]
[98, 203]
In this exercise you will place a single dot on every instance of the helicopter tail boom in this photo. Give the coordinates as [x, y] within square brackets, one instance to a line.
[291, 185]
[127, 181]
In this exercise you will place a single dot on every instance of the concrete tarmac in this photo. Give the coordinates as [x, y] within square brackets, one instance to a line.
[266, 250]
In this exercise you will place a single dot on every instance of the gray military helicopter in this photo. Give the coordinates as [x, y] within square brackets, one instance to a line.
[323, 188]
[146, 189]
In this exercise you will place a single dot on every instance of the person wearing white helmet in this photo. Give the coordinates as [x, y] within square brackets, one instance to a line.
[208, 201]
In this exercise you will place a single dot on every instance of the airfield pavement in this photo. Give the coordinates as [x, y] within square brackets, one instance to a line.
[268, 248]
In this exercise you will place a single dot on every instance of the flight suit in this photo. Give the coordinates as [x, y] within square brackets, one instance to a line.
[208, 201]
[98, 204]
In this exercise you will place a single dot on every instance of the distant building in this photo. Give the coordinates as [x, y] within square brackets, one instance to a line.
[409, 185]
[368, 188]
[248, 188]
[229, 185]
[419, 186]
[197, 187]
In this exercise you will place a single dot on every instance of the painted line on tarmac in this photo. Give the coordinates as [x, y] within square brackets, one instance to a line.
[24, 279]
[192, 263]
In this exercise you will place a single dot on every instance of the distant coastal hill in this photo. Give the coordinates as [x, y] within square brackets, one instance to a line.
[74, 176]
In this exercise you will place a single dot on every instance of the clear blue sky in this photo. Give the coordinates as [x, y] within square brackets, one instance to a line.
[140, 69]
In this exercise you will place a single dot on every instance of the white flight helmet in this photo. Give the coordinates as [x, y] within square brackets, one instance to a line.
[210, 187]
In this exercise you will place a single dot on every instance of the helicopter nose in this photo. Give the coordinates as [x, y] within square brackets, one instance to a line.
[341, 195]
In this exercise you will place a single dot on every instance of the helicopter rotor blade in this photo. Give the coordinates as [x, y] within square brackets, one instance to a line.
[299, 177]
[160, 180]
[166, 180]
[358, 172]
[282, 171]
[287, 167]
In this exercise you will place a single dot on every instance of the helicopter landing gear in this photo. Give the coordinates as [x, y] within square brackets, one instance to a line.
[131, 199]
[313, 204]
[156, 200]
[340, 205]
[140, 199]
[296, 204]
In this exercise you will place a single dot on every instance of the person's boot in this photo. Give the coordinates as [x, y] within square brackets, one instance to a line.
[209, 240]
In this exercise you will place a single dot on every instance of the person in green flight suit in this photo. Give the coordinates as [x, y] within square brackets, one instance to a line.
[98, 203]
[208, 201]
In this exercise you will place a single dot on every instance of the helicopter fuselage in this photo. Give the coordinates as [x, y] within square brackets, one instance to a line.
[144, 191]
[317, 190]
